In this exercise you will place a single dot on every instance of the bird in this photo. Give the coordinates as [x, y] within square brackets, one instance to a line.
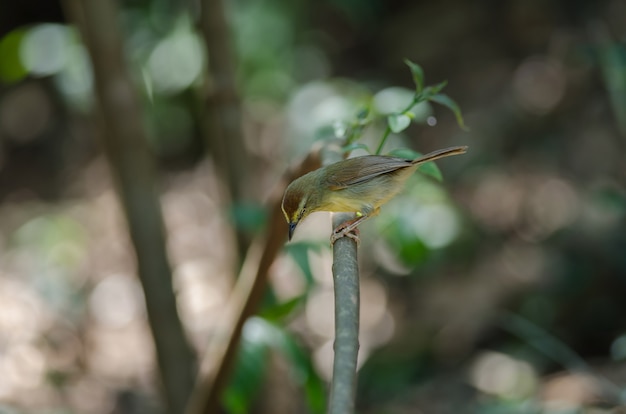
[359, 185]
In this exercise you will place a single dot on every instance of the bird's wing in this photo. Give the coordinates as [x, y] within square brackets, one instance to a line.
[361, 169]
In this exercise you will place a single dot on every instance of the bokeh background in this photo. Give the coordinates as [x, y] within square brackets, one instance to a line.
[499, 290]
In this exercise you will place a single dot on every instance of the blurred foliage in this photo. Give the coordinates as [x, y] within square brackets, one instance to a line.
[531, 222]
[260, 338]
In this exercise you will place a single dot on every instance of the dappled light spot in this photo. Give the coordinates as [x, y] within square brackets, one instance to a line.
[374, 304]
[23, 314]
[323, 360]
[380, 333]
[497, 200]
[436, 225]
[254, 331]
[539, 84]
[533, 203]
[285, 283]
[321, 265]
[45, 48]
[199, 293]
[75, 81]
[116, 301]
[553, 205]
[601, 210]
[503, 376]
[89, 395]
[176, 62]
[387, 257]
[23, 366]
[121, 353]
[319, 312]
[396, 99]
[568, 391]
[315, 105]
[523, 261]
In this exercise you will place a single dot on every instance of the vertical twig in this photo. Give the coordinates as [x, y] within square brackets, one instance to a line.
[346, 283]
[133, 168]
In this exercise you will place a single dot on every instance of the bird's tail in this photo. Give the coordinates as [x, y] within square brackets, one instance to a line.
[435, 155]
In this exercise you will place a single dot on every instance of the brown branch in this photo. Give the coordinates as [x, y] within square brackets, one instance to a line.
[245, 299]
[133, 168]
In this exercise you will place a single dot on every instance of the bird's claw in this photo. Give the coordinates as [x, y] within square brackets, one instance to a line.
[345, 231]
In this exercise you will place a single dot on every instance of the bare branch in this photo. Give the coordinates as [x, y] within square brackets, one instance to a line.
[125, 145]
[346, 283]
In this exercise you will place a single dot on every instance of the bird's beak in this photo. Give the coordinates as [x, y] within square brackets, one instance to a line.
[292, 228]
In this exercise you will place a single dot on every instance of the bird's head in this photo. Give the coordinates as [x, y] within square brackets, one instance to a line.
[295, 205]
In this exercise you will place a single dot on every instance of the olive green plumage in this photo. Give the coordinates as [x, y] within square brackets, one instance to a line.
[357, 185]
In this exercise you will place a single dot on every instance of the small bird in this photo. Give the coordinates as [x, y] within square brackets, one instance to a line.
[359, 185]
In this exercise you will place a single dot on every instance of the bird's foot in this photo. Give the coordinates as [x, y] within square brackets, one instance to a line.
[348, 229]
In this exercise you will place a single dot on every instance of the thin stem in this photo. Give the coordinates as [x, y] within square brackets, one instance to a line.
[383, 140]
[416, 99]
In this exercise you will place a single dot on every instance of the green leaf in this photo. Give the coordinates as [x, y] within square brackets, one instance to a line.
[299, 251]
[281, 311]
[418, 75]
[249, 370]
[363, 114]
[430, 91]
[355, 146]
[258, 338]
[324, 132]
[249, 217]
[438, 87]
[406, 153]
[11, 67]
[405, 243]
[430, 168]
[302, 370]
[446, 101]
[398, 122]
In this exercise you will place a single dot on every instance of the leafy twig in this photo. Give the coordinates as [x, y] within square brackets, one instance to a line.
[399, 121]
